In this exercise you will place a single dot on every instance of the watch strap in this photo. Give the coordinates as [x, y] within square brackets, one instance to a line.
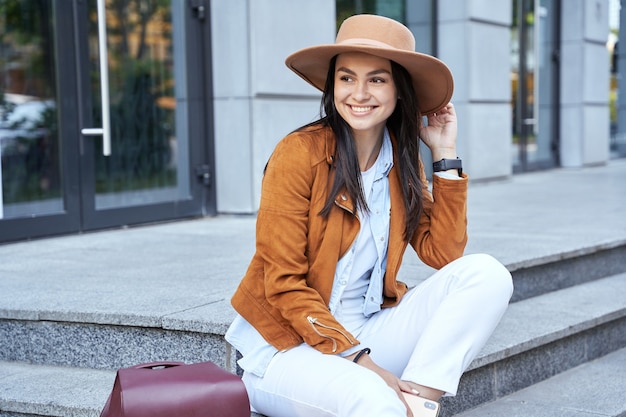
[446, 164]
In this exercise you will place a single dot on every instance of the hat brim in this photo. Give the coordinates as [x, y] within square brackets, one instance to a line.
[432, 79]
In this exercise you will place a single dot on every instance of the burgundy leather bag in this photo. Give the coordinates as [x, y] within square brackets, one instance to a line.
[166, 389]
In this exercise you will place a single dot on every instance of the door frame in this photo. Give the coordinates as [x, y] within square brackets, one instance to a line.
[76, 150]
[93, 219]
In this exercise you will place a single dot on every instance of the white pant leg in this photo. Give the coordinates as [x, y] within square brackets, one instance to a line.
[440, 326]
[303, 382]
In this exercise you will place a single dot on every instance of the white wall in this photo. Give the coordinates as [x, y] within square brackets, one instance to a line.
[258, 100]
[474, 40]
[584, 83]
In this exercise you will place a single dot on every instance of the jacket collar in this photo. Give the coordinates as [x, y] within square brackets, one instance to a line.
[330, 145]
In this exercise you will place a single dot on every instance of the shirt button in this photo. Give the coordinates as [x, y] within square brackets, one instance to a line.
[382, 239]
[343, 282]
[371, 298]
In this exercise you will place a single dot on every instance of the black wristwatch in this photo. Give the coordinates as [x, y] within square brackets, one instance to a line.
[446, 164]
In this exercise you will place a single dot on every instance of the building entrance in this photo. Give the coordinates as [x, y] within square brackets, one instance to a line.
[96, 105]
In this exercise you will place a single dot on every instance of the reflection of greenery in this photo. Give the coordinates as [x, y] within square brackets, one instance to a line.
[531, 138]
[613, 99]
[30, 159]
[26, 40]
[121, 184]
[140, 129]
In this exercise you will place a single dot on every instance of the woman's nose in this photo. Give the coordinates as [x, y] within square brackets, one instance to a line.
[361, 92]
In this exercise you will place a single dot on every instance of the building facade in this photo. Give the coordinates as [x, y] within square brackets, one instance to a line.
[177, 112]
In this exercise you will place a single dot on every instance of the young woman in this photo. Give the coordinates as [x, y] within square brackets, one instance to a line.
[324, 327]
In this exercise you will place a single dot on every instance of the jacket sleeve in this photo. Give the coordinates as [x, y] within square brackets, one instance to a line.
[441, 234]
[282, 229]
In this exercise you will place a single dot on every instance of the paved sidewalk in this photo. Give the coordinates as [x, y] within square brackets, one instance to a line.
[187, 270]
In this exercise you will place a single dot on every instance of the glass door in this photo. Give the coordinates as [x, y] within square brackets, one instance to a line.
[136, 147]
[534, 75]
[33, 166]
[105, 115]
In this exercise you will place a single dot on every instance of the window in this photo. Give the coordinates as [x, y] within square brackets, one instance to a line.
[394, 9]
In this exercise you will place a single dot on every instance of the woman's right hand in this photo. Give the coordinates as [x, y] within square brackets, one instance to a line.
[393, 381]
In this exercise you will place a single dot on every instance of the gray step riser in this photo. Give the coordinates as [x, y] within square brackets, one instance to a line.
[56, 343]
[564, 273]
[498, 379]
[504, 377]
[106, 346]
[115, 346]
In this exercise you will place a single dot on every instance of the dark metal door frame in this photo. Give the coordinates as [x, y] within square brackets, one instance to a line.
[199, 138]
[74, 113]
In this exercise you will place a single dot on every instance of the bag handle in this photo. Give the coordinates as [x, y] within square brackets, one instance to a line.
[157, 365]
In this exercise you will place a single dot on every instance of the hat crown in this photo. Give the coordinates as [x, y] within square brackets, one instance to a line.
[364, 29]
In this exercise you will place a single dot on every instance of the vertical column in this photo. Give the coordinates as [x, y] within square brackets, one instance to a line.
[474, 40]
[230, 34]
[258, 100]
[584, 83]
[419, 19]
[282, 101]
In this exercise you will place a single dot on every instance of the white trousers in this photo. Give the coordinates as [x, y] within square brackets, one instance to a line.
[430, 338]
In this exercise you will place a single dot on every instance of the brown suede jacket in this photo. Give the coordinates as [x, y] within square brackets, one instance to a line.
[286, 289]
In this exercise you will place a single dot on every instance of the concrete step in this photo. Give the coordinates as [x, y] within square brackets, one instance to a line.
[113, 322]
[40, 390]
[108, 342]
[55, 338]
[545, 335]
[539, 271]
[560, 270]
[538, 338]
[594, 389]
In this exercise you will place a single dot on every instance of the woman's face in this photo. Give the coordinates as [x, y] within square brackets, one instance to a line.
[365, 94]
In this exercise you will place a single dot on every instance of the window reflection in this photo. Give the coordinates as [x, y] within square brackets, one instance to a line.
[394, 9]
[30, 171]
[143, 165]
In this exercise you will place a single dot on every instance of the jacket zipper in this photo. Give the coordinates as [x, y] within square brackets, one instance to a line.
[314, 321]
[340, 205]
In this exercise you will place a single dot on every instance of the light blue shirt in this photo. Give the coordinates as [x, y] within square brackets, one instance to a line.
[358, 283]
[351, 269]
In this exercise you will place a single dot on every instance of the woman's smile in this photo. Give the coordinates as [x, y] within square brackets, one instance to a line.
[361, 109]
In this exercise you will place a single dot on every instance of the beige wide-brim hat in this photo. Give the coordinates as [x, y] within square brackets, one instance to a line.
[386, 38]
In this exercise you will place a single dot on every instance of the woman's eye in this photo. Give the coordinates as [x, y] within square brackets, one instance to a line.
[378, 80]
[345, 78]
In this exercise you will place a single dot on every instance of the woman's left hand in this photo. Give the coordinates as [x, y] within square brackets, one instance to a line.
[440, 133]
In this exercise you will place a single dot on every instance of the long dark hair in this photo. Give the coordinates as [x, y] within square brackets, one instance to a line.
[404, 124]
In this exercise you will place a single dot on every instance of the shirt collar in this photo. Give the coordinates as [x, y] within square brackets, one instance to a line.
[386, 156]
